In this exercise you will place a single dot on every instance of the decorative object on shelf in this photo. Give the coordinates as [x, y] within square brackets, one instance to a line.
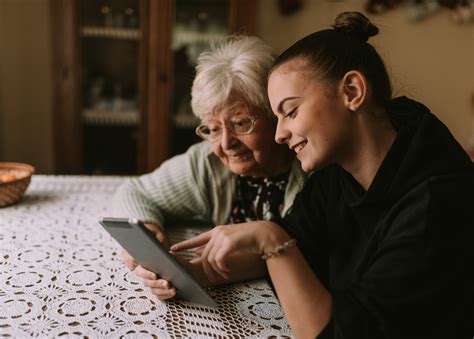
[462, 11]
[381, 6]
[422, 9]
[95, 91]
[131, 18]
[117, 101]
[107, 14]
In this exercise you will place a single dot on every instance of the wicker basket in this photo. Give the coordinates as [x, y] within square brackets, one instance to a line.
[12, 191]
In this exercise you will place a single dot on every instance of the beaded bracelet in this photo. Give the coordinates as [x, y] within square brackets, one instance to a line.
[279, 249]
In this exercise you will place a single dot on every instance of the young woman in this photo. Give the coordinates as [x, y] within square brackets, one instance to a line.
[384, 229]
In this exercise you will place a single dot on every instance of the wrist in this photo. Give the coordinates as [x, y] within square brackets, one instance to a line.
[276, 236]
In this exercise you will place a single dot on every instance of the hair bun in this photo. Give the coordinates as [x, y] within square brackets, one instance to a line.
[355, 24]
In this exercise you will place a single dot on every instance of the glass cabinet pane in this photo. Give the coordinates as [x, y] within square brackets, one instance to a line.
[109, 46]
[196, 25]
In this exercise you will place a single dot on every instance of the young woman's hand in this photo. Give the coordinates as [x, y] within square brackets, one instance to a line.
[253, 237]
[159, 234]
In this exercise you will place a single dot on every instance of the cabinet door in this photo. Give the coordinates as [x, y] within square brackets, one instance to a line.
[98, 53]
[122, 77]
[186, 28]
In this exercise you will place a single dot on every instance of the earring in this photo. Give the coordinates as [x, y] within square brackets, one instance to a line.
[352, 109]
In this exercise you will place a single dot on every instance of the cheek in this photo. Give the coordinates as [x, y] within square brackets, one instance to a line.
[258, 143]
[217, 150]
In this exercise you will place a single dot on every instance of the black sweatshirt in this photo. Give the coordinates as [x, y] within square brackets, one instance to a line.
[398, 259]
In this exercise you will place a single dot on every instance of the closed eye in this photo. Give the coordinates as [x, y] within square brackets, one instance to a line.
[291, 113]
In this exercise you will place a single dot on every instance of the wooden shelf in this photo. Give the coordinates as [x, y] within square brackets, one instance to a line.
[110, 118]
[186, 120]
[181, 38]
[111, 33]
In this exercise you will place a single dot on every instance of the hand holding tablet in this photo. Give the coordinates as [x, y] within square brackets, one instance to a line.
[143, 246]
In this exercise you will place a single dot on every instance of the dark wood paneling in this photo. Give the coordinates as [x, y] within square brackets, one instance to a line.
[143, 86]
[66, 93]
[158, 117]
[243, 16]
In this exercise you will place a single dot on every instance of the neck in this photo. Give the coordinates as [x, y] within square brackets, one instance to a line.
[370, 145]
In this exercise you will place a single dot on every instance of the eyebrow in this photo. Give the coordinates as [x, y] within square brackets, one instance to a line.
[280, 105]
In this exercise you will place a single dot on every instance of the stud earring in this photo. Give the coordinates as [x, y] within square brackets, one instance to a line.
[352, 109]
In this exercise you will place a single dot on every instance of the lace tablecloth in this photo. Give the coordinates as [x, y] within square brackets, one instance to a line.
[61, 276]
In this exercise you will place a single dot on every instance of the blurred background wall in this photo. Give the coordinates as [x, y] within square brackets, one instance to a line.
[431, 61]
[26, 133]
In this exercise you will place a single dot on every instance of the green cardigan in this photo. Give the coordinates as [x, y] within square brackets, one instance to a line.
[190, 186]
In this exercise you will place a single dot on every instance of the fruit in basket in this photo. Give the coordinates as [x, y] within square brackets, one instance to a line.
[8, 177]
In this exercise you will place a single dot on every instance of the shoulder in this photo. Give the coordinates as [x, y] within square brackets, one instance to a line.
[438, 205]
[324, 179]
[204, 161]
[321, 186]
[200, 150]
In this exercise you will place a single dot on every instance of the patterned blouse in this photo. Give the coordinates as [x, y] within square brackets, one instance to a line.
[258, 198]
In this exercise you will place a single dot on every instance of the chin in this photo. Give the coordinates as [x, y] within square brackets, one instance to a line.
[240, 170]
[306, 169]
[245, 169]
[308, 166]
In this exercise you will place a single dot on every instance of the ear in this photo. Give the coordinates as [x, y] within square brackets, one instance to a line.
[354, 90]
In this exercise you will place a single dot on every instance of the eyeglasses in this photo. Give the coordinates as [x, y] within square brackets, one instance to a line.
[237, 126]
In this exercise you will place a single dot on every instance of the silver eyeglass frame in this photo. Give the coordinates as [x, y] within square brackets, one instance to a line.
[253, 120]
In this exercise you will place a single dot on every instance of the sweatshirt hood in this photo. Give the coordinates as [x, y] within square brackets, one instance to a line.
[424, 148]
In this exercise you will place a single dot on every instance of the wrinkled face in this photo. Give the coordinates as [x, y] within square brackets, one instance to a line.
[312, 118]
[253, 154]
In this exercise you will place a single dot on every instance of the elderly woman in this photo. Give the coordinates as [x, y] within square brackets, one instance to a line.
[239, 173]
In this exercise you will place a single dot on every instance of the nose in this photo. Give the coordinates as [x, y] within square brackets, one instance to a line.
[227, 139]
[282, 134]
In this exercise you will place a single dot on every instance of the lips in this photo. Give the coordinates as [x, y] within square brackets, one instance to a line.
[240, 156]
[298, 147]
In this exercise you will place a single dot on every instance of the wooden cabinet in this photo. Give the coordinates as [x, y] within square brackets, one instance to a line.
[122, 72]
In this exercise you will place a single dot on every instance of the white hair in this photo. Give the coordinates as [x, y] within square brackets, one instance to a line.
[237, 68]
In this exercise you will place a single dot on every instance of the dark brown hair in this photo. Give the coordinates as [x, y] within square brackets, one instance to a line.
[331, 53]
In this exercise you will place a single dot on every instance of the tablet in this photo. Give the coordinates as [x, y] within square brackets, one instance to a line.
[148, 251]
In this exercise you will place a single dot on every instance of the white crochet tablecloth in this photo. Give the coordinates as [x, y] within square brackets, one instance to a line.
[61, 276]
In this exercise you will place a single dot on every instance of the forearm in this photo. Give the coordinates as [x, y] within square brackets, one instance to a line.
[242, 267]
[305, 301]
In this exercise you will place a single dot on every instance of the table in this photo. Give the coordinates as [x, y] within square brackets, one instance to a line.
[61, 276]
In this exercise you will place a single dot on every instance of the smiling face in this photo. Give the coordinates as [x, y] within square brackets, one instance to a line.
[254, 154]
[312, 118]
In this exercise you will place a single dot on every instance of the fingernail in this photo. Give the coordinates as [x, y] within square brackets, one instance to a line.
[173, 248]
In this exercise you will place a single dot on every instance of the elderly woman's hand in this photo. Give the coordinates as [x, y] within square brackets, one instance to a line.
[159, 287]
[159, 234]
[255, 237]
